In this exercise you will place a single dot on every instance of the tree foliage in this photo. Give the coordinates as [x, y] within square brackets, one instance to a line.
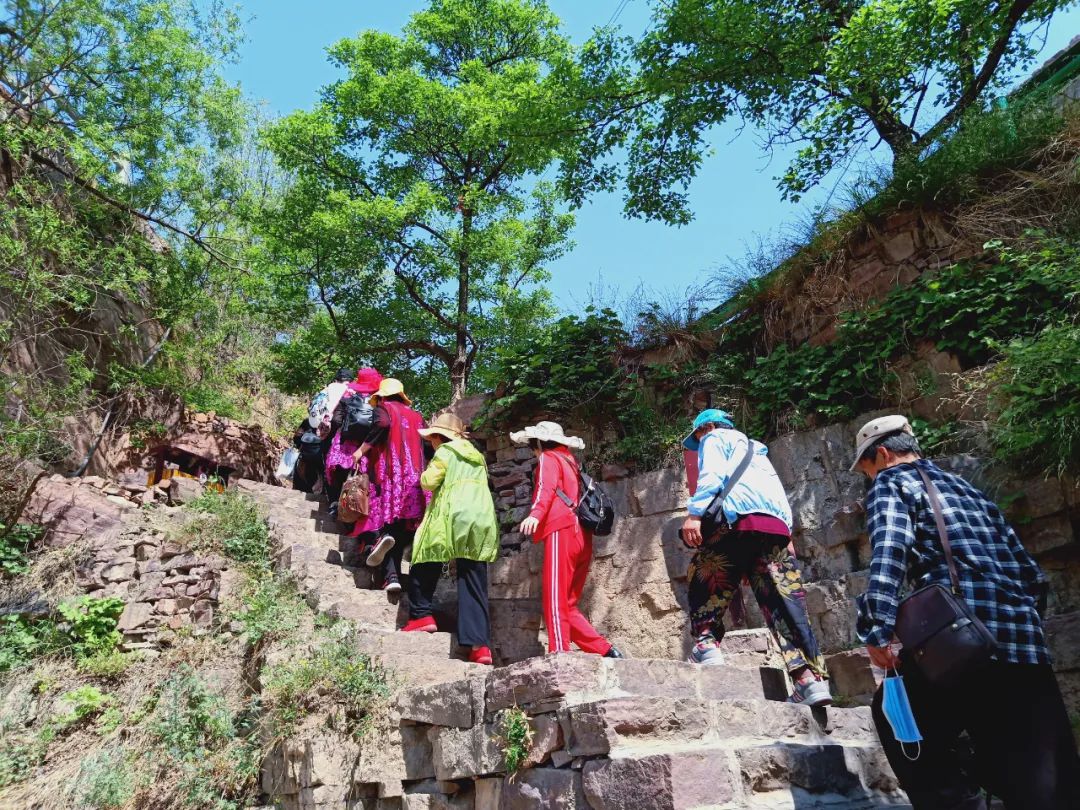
[418, 223]
[828, 77]
[123, 169]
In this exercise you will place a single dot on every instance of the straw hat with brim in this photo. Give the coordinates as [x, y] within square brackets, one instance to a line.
[547, 432]
[388, 388]
[877, 429]
[446, 425]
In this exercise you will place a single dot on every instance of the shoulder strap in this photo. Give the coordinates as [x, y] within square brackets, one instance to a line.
[935, 504]
[562, 495]
[733, 479]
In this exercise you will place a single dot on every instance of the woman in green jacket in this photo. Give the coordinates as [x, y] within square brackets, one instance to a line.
[459, 525]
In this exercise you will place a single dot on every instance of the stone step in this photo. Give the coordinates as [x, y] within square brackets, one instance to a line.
[753, 647]
[619, 725]
[438, 646]
[754, 776]
[364, 608]
[548, 682]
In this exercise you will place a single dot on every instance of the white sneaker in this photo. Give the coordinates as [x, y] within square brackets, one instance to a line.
[382, 545]
[814, 693]
[707, 657]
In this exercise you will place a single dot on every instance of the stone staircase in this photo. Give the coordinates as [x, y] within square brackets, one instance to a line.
[607, 734]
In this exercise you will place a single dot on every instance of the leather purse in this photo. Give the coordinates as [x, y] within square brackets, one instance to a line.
[940, 633]
[355, 501]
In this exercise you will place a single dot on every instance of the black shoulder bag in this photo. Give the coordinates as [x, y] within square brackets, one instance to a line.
[594, 509]
[940, 633]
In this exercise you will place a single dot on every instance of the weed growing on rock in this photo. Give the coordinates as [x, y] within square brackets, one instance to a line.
[91, 624]
[1038, 402]
[84, 702]
[106, 664]
[270, 607]
[333, 672]
[190, 720]
[105, 781]
[15, 542]
[516, 736]
[229, 523]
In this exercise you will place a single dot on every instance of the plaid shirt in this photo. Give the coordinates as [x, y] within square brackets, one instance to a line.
[998, 578]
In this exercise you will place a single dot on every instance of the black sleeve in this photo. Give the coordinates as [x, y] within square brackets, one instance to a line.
[300, 431]
[380, 427]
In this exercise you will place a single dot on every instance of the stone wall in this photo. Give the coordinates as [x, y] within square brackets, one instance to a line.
[637, 586]
[120, 550]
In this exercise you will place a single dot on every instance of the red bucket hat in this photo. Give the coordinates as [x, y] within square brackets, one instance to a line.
[368, 380]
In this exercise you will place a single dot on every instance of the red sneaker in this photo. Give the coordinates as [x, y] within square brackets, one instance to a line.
[423, 625]
[481, 655]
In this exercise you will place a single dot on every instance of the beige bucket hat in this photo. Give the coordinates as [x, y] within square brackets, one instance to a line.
[447, 425]
[878, 429]
[388, 388]
[547, 432]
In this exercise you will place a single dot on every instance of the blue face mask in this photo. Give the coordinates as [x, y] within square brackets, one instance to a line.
[898, 712]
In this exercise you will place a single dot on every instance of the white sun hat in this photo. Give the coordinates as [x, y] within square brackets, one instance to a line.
[878, 429]
[547, 432]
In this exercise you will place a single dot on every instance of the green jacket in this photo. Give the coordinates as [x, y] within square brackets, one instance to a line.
[460, 522]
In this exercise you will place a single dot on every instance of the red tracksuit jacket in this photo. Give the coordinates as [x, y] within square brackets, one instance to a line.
[556, 469]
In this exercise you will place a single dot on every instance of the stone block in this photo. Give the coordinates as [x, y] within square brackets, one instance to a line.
[416, 752]
[541, 684]
[436, 801]
[465, 753]
[1045, 534]
[681, 680]
[659, 491]
[119, 571]
[547, 738]
[815, 769]
[1063, 638]
[184, 490]
[135, 615]
[662, 781]
[609, 725]
[548, 788]
[851, 674]
[456, 703]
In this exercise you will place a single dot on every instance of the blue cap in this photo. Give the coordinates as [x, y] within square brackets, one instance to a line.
[714, 415]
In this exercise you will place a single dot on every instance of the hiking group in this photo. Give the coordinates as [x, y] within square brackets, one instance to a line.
[948, 576]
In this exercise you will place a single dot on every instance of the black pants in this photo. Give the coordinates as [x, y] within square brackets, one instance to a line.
[337, 479]
[391, 564]
[1015, 718]
[473, 623]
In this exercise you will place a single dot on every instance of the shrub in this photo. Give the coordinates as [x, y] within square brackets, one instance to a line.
[106, 664]
[1037, 402]
[190, 720]
[85, 701]
[231, 523]
[270, 608]
[91, 624]
[334, 671]
[23, 638]
[105, 780]
[15, 542]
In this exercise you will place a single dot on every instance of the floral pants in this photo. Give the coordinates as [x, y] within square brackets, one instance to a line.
[715, 574]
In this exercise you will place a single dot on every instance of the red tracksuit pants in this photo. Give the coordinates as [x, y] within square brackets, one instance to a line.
[567, 555]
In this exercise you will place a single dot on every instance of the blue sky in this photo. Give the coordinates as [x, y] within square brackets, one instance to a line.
[735, 199]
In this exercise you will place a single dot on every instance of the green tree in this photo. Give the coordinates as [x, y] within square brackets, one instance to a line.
[122, 163]
[830, 77]
[418, 221]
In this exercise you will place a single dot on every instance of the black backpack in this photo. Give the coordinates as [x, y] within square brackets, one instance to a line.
[595, 511]
[311, 446]
[358, 419]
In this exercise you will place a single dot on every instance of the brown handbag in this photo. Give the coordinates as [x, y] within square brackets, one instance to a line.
[355, 500]
[940, 633]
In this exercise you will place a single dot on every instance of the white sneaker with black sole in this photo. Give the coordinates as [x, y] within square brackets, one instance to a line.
[812, 693]
[707, 657]
[378, 553]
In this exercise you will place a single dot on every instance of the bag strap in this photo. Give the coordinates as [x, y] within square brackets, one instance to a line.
[562, 495]
[733, 479]
[935, 504]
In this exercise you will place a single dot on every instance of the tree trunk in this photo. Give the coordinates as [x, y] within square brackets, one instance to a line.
[459, 371]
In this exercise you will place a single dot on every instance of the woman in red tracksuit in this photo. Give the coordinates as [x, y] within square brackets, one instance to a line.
[567, 547]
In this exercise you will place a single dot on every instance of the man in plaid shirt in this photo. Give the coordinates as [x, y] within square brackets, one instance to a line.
[1012, 711]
